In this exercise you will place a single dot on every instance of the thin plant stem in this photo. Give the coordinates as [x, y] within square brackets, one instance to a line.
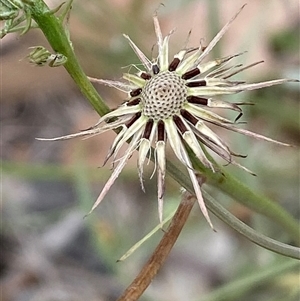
[151, 268]
[236, 224]
[240, 192]
[57, 36]
[252, 235]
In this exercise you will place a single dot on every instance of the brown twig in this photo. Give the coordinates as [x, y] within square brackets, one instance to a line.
[151, 268]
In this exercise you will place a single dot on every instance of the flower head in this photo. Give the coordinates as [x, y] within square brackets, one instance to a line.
[173, 101]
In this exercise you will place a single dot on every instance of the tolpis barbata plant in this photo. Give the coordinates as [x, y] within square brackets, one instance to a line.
[173, 101]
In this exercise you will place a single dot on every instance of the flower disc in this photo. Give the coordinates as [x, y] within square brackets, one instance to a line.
[163, 95]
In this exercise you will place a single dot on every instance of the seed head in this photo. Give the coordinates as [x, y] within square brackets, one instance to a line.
[174, 101]
[163, 95]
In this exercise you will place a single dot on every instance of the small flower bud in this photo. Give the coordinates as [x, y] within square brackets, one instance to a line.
[40, 56]
[57, 59]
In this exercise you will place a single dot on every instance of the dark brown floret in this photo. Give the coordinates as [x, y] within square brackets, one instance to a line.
[155, 69]
[145, 76]
[190, 74]
[148, 129]
[197, 83]
[135, 92]
[134, 102]
[160, 131]
[189, 117]
[197, 100]
[174, 64]
[180, 125]
[133, 120]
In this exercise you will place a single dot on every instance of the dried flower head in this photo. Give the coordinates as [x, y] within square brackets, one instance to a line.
[173, 101]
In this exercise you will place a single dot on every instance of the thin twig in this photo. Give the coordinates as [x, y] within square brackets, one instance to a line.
[151, 268]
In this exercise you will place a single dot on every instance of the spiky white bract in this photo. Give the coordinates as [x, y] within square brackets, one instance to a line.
[173, 101]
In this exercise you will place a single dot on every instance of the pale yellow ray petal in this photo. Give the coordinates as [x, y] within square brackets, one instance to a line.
[160, 151]
[135, 127]
[205, 67]
[174, 139]
[216, 103]
[134, 79]
[160, 194]
[144, 148]
[146, 62]
[193, 143]
[113, 84]
[253, 135]
[197, 188]
[205, 114]
[217, 38]
[132, 146]
[188, 62]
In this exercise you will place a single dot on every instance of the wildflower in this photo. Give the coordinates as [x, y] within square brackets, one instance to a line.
[173, 101]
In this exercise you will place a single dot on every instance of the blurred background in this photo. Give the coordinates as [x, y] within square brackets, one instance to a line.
[49, 252]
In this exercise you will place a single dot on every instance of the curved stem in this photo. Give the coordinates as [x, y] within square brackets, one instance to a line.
[235, 223]
[254, 236]
[241, 193]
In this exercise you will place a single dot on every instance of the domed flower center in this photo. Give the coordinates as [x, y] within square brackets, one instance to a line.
[163, 95]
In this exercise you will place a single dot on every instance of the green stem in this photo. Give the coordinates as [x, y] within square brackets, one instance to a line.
[254, 236]
[235, 223]
[241, 193]
[55, 33]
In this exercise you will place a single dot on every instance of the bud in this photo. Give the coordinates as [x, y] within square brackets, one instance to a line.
[40, 56]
